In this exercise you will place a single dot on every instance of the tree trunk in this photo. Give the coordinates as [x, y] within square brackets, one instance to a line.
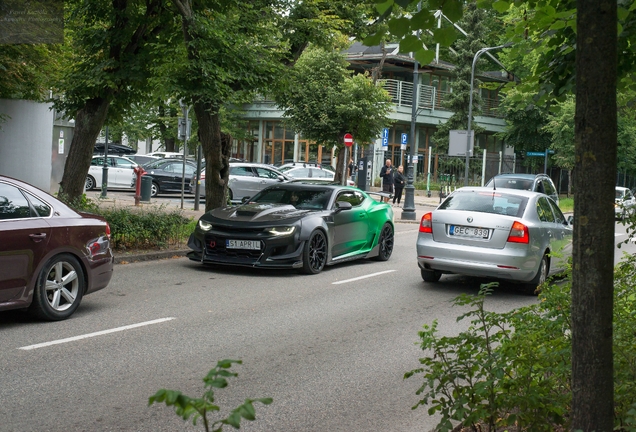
[340, 156]
[216, 154]
[88, 123]
[166, 138]
[594, 177]
[569, 183]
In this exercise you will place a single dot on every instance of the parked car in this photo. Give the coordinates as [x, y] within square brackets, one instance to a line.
[113, 149]
[288, 165]
[296, 226]
[624, 203]
[142, 159]
[312, 173]
[166, 155]
[50, 255]
[167, 175]
[532, 182]
[246, 179]
[509, 234]
[120, 172]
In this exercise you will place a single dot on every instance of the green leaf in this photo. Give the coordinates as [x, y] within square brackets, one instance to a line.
[453, 9]
[422, 20]
[557, 25]
[501, 6]
[410, 43]
[374, 39]
[399, 26]
[424, 56]
[445, 35]
[404, 3]
[383, 7]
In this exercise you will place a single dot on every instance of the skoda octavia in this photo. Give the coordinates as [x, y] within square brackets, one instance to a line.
[508, 234]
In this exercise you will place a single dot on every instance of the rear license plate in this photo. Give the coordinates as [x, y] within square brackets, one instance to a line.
[464, 231]
[243, 244]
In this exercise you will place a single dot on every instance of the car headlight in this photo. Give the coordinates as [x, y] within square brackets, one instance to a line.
[280, 231]
[204, 226]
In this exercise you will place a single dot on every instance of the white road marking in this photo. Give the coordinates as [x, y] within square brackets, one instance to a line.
[362, 277]
[99, 333]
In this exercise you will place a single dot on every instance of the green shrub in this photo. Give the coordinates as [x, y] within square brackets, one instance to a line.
[157, 227]
[198, 408]
[514, 368]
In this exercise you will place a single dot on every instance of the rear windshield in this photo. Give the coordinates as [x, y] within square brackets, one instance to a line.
[486, 202]
[512, 183]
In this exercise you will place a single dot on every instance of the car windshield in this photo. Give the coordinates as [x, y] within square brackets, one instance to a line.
[486, 202]
[307, 199]
[511, 183]
[620, 194]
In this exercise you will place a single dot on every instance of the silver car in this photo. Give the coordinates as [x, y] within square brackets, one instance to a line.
[246, 180]
[624, 203]
[515, 235]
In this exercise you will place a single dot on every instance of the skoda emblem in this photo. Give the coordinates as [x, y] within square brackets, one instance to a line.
[469, 219]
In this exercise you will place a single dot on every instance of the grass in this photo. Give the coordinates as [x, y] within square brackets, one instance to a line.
[566, 205]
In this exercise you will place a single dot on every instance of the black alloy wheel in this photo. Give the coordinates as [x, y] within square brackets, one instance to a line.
[315, 253]
[385, 243]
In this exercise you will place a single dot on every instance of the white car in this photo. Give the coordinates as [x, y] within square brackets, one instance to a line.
[166, 155]
[313, 173]
[120, 172]
[624, 202]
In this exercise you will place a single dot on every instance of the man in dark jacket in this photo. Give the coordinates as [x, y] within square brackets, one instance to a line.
[399, 180]
[386, 173]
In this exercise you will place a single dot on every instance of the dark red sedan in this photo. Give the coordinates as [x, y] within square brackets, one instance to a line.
[50, 255]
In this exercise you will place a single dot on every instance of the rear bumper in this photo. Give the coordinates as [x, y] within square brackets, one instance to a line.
[510, 263]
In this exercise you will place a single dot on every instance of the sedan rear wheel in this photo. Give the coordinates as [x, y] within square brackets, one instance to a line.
[385, 243]
[154, 189]
[59, 288]
[315, 253]
[431, 275]
[539, 278]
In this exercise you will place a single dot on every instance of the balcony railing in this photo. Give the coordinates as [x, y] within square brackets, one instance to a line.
[429, 97]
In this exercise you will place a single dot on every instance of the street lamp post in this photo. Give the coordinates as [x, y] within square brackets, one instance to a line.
[470, 104]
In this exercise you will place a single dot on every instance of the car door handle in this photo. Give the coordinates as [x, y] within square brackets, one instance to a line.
[37, 237]
[362, 215]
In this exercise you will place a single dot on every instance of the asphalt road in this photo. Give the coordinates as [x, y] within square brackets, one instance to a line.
[330, 349]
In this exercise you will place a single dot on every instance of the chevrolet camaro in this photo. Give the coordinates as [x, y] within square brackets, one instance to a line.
[296, 225]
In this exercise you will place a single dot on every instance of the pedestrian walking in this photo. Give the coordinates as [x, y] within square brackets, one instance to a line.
[399, 180]
[352, 169]
[386, 173]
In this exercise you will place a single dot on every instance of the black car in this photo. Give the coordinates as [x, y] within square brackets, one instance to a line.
[532, 182]
[167, 175]
[296, 225]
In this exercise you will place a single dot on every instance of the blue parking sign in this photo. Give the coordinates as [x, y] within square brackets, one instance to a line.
[405, 138]
[385, 135]
[385, 142]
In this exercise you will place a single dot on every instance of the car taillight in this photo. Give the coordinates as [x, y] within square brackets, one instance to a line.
[107, 230]
[519, 233]
[426, 225]
[202, 176]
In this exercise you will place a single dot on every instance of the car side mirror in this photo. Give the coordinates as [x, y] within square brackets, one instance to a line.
[343, 205]
[280, 178]
[245, 199]
[570, 220]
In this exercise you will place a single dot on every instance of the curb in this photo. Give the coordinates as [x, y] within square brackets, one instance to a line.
[150, 256]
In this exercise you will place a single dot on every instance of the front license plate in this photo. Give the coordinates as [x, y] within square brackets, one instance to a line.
[243, 244]
[464, 231]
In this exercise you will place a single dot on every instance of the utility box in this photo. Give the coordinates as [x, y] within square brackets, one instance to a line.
[146, 188]
[364, 173]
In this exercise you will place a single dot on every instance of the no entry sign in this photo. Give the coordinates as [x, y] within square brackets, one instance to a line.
[348, 140]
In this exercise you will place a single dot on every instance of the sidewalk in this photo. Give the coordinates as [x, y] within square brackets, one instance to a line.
[423, 203]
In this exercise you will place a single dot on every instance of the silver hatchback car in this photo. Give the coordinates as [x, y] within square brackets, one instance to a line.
[246, 180]
[515, 235]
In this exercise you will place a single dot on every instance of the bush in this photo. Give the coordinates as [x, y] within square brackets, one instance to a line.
[140, 229]
[514, 368]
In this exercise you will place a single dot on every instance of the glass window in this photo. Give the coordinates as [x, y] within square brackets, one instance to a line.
[266, 173]
[13, 205]
[351, 197]
[42, 208]
[486, 202]
[278, 130]
[547, 186]
[124, 163]
[560, 217]
[544, 210]
[299, 172]
[100, 161]
[241, 171]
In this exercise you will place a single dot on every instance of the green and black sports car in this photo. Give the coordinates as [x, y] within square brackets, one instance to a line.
[296, 225]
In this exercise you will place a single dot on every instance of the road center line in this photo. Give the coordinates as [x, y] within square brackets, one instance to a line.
[99, 333]
[362, 277]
